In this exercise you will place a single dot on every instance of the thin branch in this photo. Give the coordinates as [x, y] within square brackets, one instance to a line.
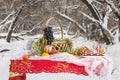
[30, 2]
[72, 20]
[69, 25]
[34, 27]
[105, 18]
[92, 9]
[114, 28]
[15, 17]
[4, 50]
[13, 12]
[72, 7]
[16, 37]
[89, 17]
[99, 2]
[12, 4]
[103, 23]
[114, 8]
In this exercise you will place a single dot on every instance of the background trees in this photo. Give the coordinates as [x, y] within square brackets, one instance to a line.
[97, 20]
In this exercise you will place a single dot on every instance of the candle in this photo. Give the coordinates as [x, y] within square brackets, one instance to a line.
[88, 52]
[101, 52]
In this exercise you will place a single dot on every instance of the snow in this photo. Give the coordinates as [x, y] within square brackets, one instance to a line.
[19, 48]
[4, 67]
[59, 76]
[90, 1]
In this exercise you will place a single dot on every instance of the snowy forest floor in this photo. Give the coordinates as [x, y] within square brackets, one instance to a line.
[19, 48]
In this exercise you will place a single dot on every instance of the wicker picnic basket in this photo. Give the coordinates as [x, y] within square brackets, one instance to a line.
[60, 45]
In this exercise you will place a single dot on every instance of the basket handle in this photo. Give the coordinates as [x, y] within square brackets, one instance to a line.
[59, 23]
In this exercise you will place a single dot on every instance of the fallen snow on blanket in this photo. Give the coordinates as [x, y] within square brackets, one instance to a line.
[94, 65]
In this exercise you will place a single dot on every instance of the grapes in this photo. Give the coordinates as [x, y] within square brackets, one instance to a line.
[48, 35]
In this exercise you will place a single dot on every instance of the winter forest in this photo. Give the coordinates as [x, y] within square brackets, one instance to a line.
[96, 21]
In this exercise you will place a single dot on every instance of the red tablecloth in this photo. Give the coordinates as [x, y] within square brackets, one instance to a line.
[18, 78]
[48, 66]
[88, 65]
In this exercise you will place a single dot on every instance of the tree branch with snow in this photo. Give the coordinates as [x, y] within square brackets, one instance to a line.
[13, 16]
[72, 20]
[114, 8]
[102, 21]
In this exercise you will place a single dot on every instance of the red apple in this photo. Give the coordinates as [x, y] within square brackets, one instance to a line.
[53, 52]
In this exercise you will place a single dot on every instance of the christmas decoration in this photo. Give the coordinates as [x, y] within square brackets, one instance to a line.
[88, 52]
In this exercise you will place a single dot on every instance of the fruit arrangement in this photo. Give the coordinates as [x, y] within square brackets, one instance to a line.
[48, 50]
[55, 45]
[48, 45]
[85, 51]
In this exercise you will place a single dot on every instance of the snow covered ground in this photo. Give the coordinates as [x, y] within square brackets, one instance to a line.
[19, 48]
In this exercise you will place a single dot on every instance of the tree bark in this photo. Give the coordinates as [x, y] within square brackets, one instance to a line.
[16, 14]
[72, 20]
[96, 15]
[12, 25]
[115, 11]
[114, 8]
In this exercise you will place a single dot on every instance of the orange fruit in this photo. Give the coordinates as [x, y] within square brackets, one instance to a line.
[25, 57]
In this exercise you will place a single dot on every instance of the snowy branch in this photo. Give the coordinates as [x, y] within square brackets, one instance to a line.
[30, 2]
[114, 28]
[89, 17]
[114, 8]
[12, 4]
[14, 19]
[4, 50]
[93, 9]
[105, 18]
[14, 16]
[99, 2]
[16, 37]
[90, 1]
[71, 7]
[34, 27]
[5, 20]
[102, 21]
[72, 20]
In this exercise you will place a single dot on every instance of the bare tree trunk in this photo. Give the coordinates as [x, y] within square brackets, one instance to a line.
[114, 8]
[96, 15]
[115, 11]
[14, 15]
[12, 25]
[4, 21]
